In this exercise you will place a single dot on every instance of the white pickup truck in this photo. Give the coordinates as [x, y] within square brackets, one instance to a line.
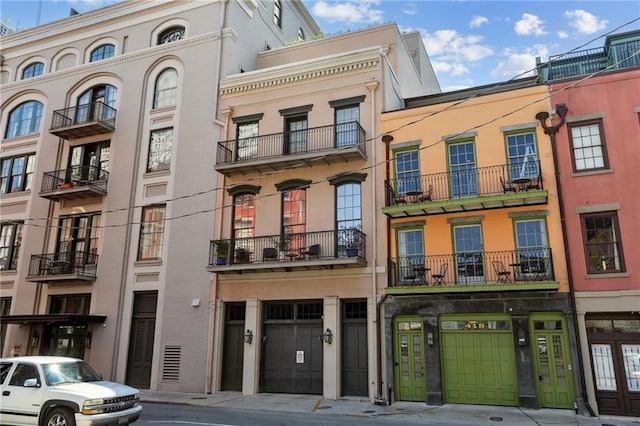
[59, 391]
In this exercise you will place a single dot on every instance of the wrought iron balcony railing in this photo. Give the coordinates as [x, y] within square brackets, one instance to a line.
[290, 249]
[472, 268]
[76, 182]
[465, 182]
[63, 266]
[83, 120]
[338, 137]
[583, 62]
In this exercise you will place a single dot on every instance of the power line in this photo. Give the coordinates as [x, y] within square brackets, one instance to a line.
[371, 139]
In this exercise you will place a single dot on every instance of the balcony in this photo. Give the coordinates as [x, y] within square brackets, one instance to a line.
[328, 144]
[83, 120]
[525, 269]
[76, 182]
[465, 190]
[345, 248]
[63, 267]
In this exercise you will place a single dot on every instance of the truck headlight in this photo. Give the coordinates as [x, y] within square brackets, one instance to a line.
[93, 406]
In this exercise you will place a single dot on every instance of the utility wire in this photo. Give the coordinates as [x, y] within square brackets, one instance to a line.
[374, 138]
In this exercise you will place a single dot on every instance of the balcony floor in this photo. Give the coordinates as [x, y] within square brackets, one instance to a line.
[284, 265]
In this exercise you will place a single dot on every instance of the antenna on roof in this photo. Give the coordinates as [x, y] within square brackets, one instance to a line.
[73, 12]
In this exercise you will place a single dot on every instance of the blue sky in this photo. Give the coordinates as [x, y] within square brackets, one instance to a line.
[470, 42]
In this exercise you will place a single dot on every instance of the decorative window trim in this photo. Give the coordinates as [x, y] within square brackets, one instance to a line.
[519, 127]
[290, 184]
[405, 146]
[463, 220]
[598, 208]
[347, 101]
[247, 118]
[585, 117]
[528, 214]
[288, 112]
[459, 137]
[171, 34]
[244, 189]
[414, 224]
[353, 177]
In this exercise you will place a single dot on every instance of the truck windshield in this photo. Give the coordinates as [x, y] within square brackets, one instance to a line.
[69, 372]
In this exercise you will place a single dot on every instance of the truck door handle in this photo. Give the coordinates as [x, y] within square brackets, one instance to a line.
[6, 393]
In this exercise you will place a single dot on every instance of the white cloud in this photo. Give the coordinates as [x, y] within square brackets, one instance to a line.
[563, 34]
[351, 12]
[455, 69]
[452, 46]
[529, 25]
[409, 9]
[478, 21]
[585, 22]
[516, 63]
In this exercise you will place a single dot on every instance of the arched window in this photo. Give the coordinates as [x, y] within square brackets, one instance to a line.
[91, 104]
[24, 119]
[33, 70]
[101, 52]
[171, 34]
[166, 87]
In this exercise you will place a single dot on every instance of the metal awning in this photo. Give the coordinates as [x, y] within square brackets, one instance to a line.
[51, 318]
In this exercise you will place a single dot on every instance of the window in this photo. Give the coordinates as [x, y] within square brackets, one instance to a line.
[33, 70]
[277, 13]
[407, 171]
[301, 35]
[160, 150]
[296, 134]
[104, 51]
[22, 373]
[294, 217]
[166, 88]
[171, 34]
[79, 239]
[523, 158]
[24, 119]
[469, 257]
[247, 140]
[588, 146]
[603, 247]
[10, 240]
[16, 173]
[151, 233]
[348, 206]
[347, 125]
[91, 104]
[410, 252]
[462, 166]
[534, 257]
[244, 216]
[89, 162]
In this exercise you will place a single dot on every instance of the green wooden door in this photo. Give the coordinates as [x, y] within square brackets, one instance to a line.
[552, 359]
[409, 359]
[478, 360]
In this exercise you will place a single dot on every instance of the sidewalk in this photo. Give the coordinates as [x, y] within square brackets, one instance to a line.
[472, 414]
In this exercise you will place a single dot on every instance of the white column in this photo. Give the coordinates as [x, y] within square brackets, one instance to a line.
[331, 355]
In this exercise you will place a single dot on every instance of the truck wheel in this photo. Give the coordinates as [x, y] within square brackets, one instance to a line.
[60, 417]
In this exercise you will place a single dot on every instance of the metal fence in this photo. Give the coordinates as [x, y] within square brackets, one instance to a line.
[63, 263]
[91, 176]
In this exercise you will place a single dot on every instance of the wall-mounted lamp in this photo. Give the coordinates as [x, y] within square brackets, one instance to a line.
[430, 341]
[87, 340]
[522, 336]
[35, 339]
[248, 336]
[327, 336]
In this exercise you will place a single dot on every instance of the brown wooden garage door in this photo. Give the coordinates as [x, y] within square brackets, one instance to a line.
[292, 348]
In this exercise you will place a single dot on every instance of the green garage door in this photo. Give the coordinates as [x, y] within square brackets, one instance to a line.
[478, 360]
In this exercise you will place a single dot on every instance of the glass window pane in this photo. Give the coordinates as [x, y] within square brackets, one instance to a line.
[603, 367]
[631, 359]
[160, 150]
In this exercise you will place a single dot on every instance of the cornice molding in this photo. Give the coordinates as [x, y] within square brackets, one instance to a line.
[118, 60]
[300, 72]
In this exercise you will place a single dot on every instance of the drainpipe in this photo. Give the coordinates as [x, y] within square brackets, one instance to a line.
[372, 86]
[386, 139]
[561, 111]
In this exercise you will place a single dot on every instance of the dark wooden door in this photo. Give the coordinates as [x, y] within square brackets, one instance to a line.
[355, 373]
[141, 338]
[233, 347]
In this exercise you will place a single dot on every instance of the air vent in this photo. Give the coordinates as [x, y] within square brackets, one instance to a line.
[171, 367]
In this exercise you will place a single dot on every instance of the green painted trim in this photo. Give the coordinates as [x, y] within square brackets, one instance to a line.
[483, 288]
[466, 201]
